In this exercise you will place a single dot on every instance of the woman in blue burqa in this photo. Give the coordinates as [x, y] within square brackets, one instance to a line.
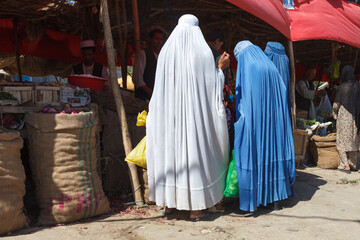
[264, 148]
[276, 52]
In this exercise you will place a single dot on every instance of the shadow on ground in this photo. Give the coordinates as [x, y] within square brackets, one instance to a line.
[305, 187]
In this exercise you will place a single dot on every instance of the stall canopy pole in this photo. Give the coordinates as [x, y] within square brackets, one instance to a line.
[136, 25]
[118, 101]
[292, 83]
[16, 44]
[356, 56]
[122, 44]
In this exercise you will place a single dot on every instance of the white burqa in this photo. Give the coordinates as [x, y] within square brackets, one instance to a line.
[187, 143]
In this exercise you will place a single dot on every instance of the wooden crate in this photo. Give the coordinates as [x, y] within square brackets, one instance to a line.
[300, 142]
[47, 96]
[21, 93]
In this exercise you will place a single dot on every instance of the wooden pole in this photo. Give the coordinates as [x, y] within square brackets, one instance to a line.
[122, 47]
[292, 83]
[118, 101]
[356, 56]
[136, 25]
[16, 46]
[331, 79]
[125, 41]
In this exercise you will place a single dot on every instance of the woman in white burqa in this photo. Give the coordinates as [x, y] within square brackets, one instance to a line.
[187, 139]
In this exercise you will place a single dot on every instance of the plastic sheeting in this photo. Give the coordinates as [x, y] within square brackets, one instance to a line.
[310, 19]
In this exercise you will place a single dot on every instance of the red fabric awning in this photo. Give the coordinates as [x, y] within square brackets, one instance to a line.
[271, 11]
[310, 19]
[51, 45]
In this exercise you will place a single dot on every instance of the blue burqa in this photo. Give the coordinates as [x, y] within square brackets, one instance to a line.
[276, 52]
[264, 148]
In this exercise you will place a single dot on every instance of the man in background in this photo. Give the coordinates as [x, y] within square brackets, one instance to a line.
[145, 65]
[305, 94]
[89, 66]
[215, 40]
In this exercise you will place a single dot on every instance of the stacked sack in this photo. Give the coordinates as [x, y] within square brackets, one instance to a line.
[324, 152]
[12, 178]
[63, 161]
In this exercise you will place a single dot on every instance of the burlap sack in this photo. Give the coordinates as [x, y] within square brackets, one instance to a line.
[324, 152]
[12, 186]
[63, 162]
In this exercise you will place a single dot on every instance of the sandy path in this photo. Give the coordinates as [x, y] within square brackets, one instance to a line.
[321, 209]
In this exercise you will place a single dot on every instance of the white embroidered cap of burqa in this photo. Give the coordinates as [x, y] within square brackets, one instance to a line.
[187, 138]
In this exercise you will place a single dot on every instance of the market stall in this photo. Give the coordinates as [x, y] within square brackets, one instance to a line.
[35, 41]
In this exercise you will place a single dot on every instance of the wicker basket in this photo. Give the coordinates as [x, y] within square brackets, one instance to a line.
[300, 142]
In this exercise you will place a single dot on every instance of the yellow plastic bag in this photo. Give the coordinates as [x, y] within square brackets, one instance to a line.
[138, 154]
[141, 119]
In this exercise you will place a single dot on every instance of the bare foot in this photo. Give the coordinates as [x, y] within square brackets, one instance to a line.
[168, 210]
[197, 214]
[219, 206]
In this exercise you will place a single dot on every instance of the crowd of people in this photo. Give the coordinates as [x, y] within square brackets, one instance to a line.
[194, 122]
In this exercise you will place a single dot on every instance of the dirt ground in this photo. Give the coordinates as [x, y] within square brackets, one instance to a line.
[324, 207]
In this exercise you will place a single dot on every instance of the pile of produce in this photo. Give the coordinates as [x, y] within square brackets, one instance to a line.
[11, 120]
[63, 110]
[7, 96]
[7, 99]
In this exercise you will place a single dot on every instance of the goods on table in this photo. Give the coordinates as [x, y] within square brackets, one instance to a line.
[47, 95]
[75, 96]
[23, 94]
[7, 99]
[87, 81]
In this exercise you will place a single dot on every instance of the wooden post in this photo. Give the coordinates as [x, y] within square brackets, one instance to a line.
[125, 41]
[292, 83]
[16, 46]
[136, 25]
[356, 56]
[118, 101]
[331, 79]
[122, 42]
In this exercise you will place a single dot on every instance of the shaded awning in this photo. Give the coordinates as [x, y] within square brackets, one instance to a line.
[310, 19]
[50, 45]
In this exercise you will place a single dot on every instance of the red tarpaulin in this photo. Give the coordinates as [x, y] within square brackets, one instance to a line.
[51, 45]
[310, 19]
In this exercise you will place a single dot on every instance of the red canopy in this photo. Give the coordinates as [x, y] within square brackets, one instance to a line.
[51, 45]
[310, 19]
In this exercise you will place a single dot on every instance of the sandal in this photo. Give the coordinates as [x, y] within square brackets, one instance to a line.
[198, 219]
[215, 209]
[345, 171]
[167, 211]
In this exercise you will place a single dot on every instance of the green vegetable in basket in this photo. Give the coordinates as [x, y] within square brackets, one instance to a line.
[7, 96]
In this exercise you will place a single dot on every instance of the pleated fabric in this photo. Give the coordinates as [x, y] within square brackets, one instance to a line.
[276, 52]
[187, 138]
[264, 149]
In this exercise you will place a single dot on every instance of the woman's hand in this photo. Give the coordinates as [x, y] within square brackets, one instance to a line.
[224, 61]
